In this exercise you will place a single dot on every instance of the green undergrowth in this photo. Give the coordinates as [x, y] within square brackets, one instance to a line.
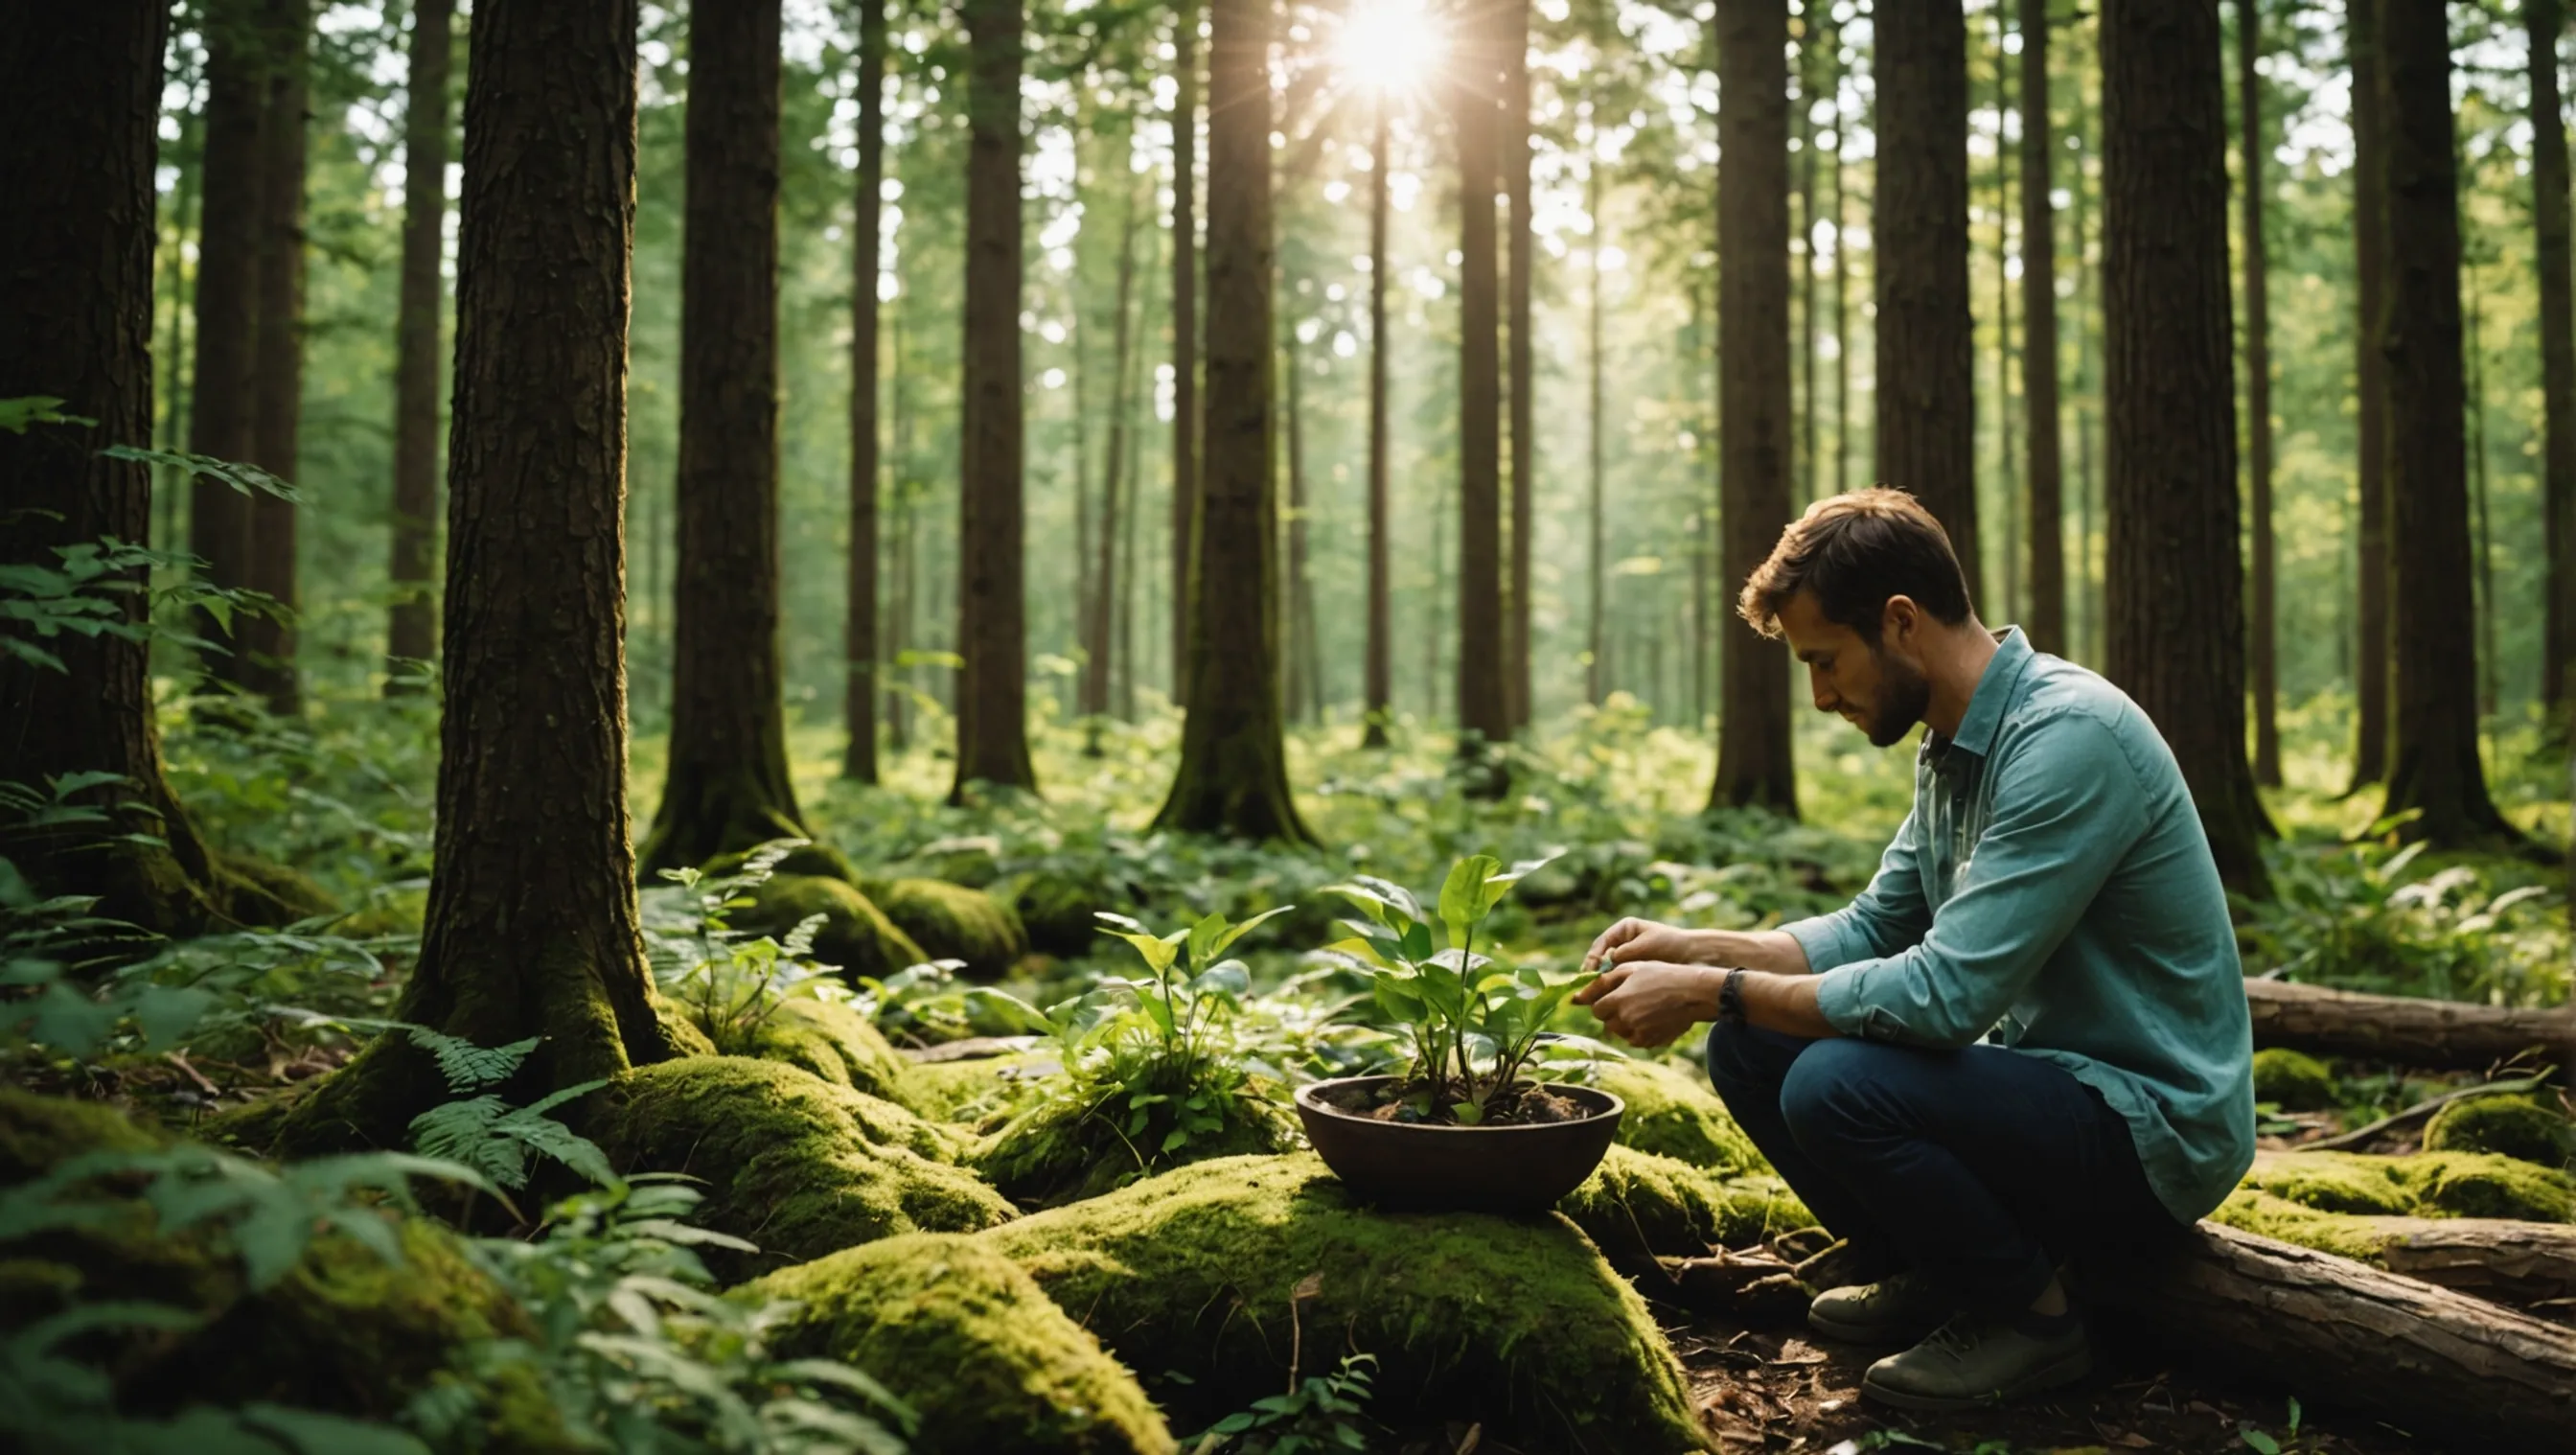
[1067, 1149]
[2425, 1184]
[966, 1338]
[2509, 1126]
[1637, 1205]
[1671, 1112]
[1227, 1272]
[855, 936]
[793, 1163]
[954, 922]
[831, 1040]
[977, 1091]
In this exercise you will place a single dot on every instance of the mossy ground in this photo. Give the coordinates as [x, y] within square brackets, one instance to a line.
[1056, 910]
[978, 1091]
[2509, 1126]
[792, 1162]
[1225, 1270]
[855, 935]
[953, 922]
[835, 1042]
[1671, 1112]
[2426, 1184]
[2293, 1080]
[1637, 1204]
[966, 1337]
[1068, 1148]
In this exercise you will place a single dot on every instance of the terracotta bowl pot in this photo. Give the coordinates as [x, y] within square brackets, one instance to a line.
[1421, 1167]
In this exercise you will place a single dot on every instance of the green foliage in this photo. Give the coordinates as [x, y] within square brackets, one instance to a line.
[2368, 917]
[1324, 1412]
[729, 983]
[92, 589]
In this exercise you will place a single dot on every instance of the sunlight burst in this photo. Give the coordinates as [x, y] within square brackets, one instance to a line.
[1390, 45]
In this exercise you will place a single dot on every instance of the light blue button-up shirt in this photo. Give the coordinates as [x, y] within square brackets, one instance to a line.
[2052, 892]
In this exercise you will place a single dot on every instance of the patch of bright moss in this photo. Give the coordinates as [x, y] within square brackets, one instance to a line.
[2426, 1184]
[980, 1091]
[1672, 1113]
[2293, 1080]
[952, 922]
[792, 1162]
[1060, 1151]
[2343, 1234]
[1638, 1204]
[835, 1042]
[2509, 1126]
[855, 935]
[966, 1338]
[1216, 1271]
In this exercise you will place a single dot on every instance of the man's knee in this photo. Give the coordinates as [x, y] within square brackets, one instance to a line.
[1837, 1086]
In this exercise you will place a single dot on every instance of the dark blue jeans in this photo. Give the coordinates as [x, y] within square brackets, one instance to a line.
[1981, 1168]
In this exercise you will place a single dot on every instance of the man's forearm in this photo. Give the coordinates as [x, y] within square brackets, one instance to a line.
[1770, 951]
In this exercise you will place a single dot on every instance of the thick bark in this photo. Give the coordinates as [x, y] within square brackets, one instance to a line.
[531, 922]
[2435, 766]
[1378, 674]
[1185, 337]
[2007, 602]
[2370, 286]
[2543, 21]
[2439, 1035]
[2173, 594]
[1927, 398]
[2258, 394]
[1097, 602]
[2351, 1336]
[727, 789]
[412, 633]
[1302, 693]
[268, 643]
[992, 630]
[225, 382]
[1596, 674]
[1841, 480]
[1483, 715]
[189, 157]
[2046, 619]
[1754, 763]
[1233, 776]
[2497, 1259]
[1803, 252]
[1524, 422]
[860, 687]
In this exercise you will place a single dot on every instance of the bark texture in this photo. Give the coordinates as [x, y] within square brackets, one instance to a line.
[728, 789]
[1523, 251]
[1185, 336]
[412, 633]
[1233, 776]
[1098, 603]
[223, 375]
[2496, 1259]
[859, 652]
[268, 643]
[531, 922]
[2258, 393]
[1378, 674]
[2439, 1035]
[1754, 763]
[992, 686]
[2543, 22]
[2046, 620]
[1927, 401]
[2435, 766]
[1475, 83]
[2173, 593]
[2370, 287]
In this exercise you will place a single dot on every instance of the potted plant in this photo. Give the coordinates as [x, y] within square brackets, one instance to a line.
[1464, 1127]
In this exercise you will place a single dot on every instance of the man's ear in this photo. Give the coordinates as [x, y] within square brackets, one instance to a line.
[1898, 619]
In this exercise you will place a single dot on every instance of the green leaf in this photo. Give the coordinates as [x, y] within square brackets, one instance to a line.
[1459, 896]
[1498, 885]
[1226, 941]
[164, 1013]
[1358, 949]
[1203, 936]
[2262, 1444]
[17, 414]
[1158, 952]
[1467, 1114]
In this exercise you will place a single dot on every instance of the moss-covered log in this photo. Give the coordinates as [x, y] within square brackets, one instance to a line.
[951, 922]
[2434, 1034]
[966, 1338]
[2430, 1184]
[1233, 1271]
[2509, 1262]
[792, 1162]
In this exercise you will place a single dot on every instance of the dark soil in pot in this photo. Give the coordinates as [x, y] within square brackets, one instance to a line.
[1555, 1136]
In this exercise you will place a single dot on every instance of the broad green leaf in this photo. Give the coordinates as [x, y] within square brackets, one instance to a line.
[1467, 1114]
[1158, 952]
[1357, 949]
[1417, 942]
[1460, 893]
[1226, 977]
[1203, 937]
[1226, 941]
[164, 1013]
[1498, 885]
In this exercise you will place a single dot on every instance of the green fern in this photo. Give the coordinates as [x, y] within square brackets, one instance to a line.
[494, 1138]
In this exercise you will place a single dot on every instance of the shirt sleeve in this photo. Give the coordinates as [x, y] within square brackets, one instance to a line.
[1889, 915]
[2067, 807]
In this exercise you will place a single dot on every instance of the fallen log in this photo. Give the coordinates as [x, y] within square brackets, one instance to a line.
[2508, 1262]
[2445, 1366]
[2433, 1034]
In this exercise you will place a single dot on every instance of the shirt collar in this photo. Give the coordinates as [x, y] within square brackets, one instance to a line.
[1986, 706]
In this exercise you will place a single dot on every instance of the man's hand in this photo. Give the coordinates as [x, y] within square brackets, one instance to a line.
[1651, 1002]
[1632, 939]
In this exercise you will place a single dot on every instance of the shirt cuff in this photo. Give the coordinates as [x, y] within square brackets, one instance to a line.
[1829, 941]
[1841, 998]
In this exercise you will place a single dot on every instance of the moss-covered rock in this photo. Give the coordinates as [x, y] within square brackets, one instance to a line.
[1056, 910]
[36, 1132]
[965, 1337]
[1671, 1112]
[2509, 1126]
[980, 1091]
[952, 922]
[1062, 1150]
[833, 1041]
[792, 1162]
[2293, 1080]
[1217, 1271]
[856, 935]
[812, 859]
[973, 862]
[2427, 1184]
[1638, 1204]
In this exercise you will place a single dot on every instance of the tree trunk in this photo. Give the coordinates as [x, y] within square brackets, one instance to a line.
[1524, 265]
[1233, 776]
[2543, 20]
[1754, 763]
[1096, 604]
[1803, 251]
[1842, 476]
[860, 686]
[2482, 542]
[727, 789]
[2172, 598]
[531, 922]
[268, 643]
[1300, 694]
[2435, 767]
[80, 96]
[2437, 1035]
[1127, 572]
[2258, 393]
[412, 634]
[2047, 614]
[188, 156]
[904, 621]
[1596, 680]
[1927, 395]
[224, 408]
[992, 687]
[2007, 604]
[1483, 716]
[2370, 281]
[1378, 687]
[2351, 1336]
[1185, 338]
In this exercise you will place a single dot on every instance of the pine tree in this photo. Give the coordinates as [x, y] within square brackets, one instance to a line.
[268, 642]
[2543, 21]
[859, 641]
[412, 633]
[2370, 287]
[1927, 405]
[2047, 615]
[2258, 393]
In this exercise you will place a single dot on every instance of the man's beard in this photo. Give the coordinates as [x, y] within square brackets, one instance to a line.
[1903, 694]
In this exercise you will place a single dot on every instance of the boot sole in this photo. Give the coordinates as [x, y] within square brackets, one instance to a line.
[2064, 1372]
[1903, 1335]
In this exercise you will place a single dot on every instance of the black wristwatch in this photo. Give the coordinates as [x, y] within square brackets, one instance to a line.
[1730, 997]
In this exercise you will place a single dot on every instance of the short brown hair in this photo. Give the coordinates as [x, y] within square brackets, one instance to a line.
[1855, 551]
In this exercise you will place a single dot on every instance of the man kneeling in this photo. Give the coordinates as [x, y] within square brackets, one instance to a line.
[2027, 1038]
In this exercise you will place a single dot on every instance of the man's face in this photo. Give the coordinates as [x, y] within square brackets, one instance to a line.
[1879, 689]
